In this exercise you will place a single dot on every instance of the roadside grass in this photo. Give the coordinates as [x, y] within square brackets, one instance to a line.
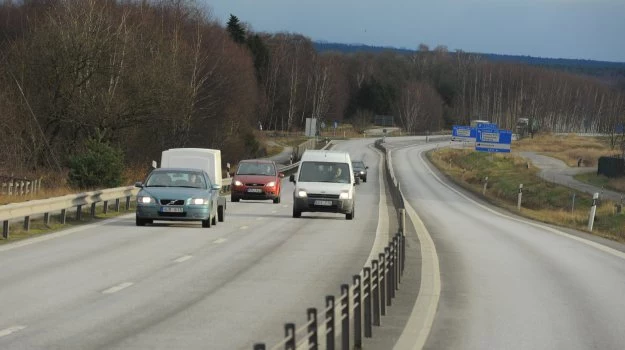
[542, 201]
[615, 184]
[38, 228]
[568, 148]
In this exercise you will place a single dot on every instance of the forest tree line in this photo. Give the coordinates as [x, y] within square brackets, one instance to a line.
[144, 76]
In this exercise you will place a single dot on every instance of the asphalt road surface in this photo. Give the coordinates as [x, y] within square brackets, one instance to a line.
[507, 283]
[112, 285]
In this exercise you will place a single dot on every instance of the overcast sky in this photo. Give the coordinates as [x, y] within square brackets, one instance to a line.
[586, 29]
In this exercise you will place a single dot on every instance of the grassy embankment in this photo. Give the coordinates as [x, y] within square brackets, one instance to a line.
[542, 200]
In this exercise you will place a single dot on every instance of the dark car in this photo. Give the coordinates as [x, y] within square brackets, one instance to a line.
[360, 170]
[256, 179]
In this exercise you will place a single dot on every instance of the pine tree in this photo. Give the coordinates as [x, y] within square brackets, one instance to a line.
[236, 30]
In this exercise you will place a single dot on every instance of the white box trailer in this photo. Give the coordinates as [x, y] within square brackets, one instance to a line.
[205, 159]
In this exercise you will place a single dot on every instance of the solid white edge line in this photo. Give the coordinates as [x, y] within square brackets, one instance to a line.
[62, 233]
[421, 319]
[219, 240]
[590, 243]
[117, 288]
[10, 330]
[381, 239]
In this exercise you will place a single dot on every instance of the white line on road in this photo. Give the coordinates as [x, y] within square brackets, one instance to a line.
[244, 227]
[274, 211]
[183, 258]
[219, 240]
[258, 219]
[117, 288]
[11, 330]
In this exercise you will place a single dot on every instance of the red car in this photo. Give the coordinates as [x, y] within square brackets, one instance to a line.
[256, 179]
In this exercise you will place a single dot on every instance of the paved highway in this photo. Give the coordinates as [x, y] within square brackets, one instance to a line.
[507, 283]
[112, 285]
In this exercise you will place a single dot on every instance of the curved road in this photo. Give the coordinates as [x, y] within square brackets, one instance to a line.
[112, 285]
[507, 283]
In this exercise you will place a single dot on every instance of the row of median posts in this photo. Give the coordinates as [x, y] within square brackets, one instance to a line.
[362, 303]
[359, 308]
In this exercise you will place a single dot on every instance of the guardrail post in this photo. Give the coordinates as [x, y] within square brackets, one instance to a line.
[389, 276]
[117, 205]
[593, 211]
[79, 212]
[5, 229]
[92, 210]
[127, 203]
[27, 223]
[382, 283]
[63, 217]
[313, 344]
[367, 301]
[375, 292]
[345, 316]
[357, 312]
[46, 219]
[403, 252]
[10, 188]
[259, 346]
[329, 321]
[289, 333]
[106, 207]
[397, 260]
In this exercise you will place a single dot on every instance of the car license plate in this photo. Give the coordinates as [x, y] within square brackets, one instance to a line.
[323, 203]
[255, 190]
[172, 209]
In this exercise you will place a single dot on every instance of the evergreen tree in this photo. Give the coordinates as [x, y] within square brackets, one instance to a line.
[236, 30]
[260, 52]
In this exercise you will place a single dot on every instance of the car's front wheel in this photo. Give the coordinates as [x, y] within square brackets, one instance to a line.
[234, 199]
[276, 200]
[142, 222]
[206, 223]
[220, 213]
[297, 213]
[350, 216]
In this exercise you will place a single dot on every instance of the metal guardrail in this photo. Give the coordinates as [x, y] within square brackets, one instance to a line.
[371, 292]
[27, 210]
[61, 204]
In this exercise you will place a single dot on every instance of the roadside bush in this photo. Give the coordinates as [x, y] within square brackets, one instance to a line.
[99, 165]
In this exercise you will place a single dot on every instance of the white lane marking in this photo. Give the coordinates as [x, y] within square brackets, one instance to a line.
[244, 227]
[219, 240]
[117, 288]
[183, 258]
[258, 219]
[274, 211]
[590, 243]
[10, 330]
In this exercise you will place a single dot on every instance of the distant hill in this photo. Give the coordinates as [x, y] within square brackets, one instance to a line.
[612, 71]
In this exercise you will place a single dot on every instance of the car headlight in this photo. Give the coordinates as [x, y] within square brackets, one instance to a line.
[199, 201]
[362, 173]
[344, 195]
[271, 184]
[238, 183]
[301, 194]
[145, 200]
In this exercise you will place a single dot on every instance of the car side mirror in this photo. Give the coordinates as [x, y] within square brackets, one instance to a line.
[292, 178]
[215, 187]
[138, 184]
[281, 175]
[367, 167]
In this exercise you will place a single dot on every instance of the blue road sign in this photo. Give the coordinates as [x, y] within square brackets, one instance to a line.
[620, 129]
[490, 126]
[463, 133]
[493, 140]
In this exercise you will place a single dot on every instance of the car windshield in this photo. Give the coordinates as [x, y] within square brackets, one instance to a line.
[324, 172]
[256, 168]
[176, 178]
[358, 165]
